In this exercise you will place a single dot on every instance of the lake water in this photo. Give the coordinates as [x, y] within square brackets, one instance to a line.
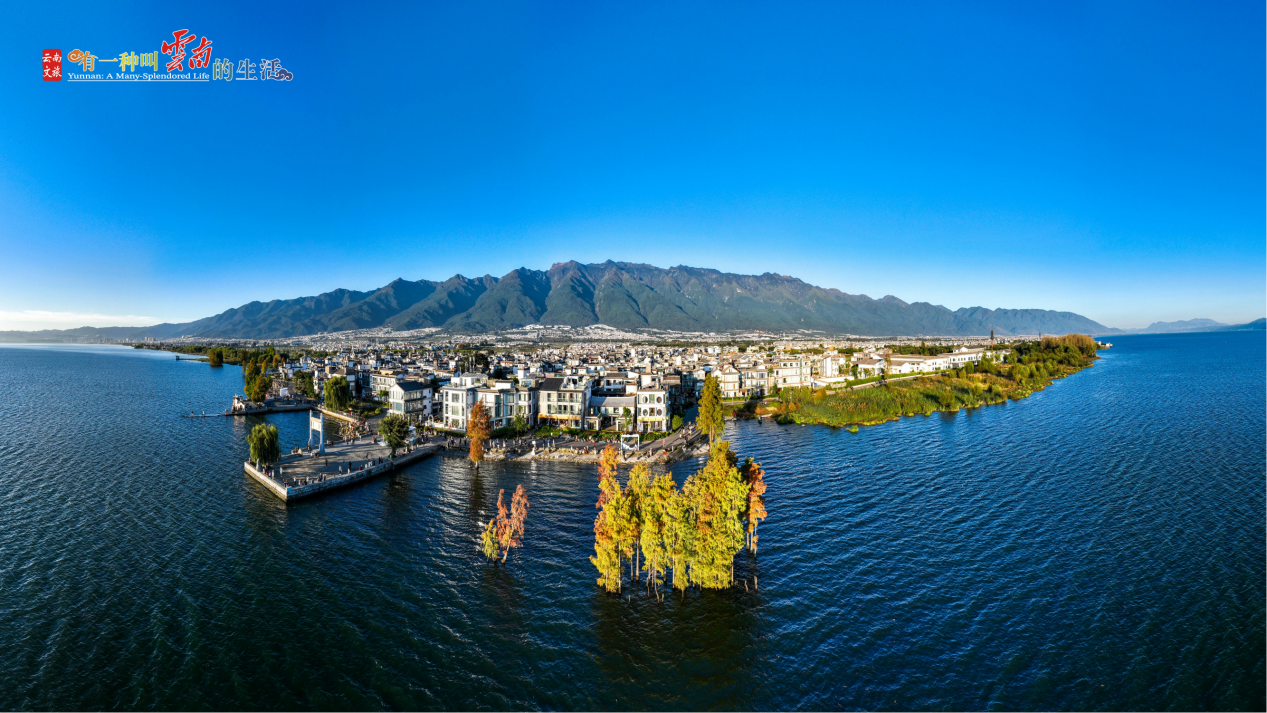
[1099, 545]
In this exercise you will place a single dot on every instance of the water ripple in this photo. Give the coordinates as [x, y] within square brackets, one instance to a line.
[1099, 545]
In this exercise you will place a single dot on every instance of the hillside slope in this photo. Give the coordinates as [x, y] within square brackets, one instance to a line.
[618, 294]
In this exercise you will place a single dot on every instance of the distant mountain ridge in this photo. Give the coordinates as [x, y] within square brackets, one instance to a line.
[1185, 325]
[618, 294]
[1197, 325]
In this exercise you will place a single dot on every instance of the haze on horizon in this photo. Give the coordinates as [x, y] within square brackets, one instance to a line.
[1103, 160]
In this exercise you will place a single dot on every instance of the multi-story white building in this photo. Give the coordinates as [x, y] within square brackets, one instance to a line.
[457, 398]
[730, 382]
[499, 399]
[756, 380]
[410, 398]
[793, 371]
[611, 412]
[653, 410]
[383, 379]
[564, 401]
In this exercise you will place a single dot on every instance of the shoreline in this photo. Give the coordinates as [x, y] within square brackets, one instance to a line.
[901, 397]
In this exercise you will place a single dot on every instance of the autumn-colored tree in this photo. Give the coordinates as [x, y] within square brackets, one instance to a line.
[488, 541]
[606, 557]
[711, 419]
[608, 464]
[216, 357]
[631, 517]
[511, 534]
[755, 477]
[505, 531]
[654, 522]
[478, 428]
[721, 496]
[680, 532]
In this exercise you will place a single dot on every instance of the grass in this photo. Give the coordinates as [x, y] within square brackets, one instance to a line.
[950, 391]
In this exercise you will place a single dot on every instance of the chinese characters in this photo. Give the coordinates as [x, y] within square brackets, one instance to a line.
[52, 65]
[176, 50]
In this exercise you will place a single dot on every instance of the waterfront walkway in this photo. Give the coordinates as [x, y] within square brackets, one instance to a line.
[300, 475]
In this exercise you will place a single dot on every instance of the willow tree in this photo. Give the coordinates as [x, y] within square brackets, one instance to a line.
[263, 441]
[478, 428]
[395, 430]
[338, 394]
[711, 419]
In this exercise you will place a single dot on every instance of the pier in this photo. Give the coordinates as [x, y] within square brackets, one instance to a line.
[301, 475]
[243, 407]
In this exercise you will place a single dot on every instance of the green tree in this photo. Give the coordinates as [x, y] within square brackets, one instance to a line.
[677, 422]
[394, 429]
[216, 357]
[680, 533]
[263, 442]
[519, 423]
[257, 388]
[626, 417]
[711, 418]
[338, 394]
[303, 383]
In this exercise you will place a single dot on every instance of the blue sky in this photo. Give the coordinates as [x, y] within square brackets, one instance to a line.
[1103, 158]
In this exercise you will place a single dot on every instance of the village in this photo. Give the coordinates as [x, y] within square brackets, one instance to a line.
[616, 388]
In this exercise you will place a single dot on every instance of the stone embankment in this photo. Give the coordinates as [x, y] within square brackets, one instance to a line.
[592, 455]
[301, 475]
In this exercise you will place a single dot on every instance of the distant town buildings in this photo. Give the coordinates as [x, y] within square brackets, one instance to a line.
[621, 386]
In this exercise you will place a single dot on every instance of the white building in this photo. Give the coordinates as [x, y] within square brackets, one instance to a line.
[457, 398]
[653, 411]
[410, 398]
[793, 371]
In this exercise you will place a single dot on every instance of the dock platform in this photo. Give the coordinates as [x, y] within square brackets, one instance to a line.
[302, 475]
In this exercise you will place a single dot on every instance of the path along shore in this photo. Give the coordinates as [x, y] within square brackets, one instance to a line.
[300, 475]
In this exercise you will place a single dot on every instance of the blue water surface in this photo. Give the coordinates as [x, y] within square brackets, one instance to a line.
[1097, 546]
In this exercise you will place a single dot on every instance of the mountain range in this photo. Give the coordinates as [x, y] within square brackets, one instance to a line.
[1196, 325]
[617, 294]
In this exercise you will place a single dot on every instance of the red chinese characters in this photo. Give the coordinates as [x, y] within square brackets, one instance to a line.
[201, 54]
[52, 65]
[176, 50]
